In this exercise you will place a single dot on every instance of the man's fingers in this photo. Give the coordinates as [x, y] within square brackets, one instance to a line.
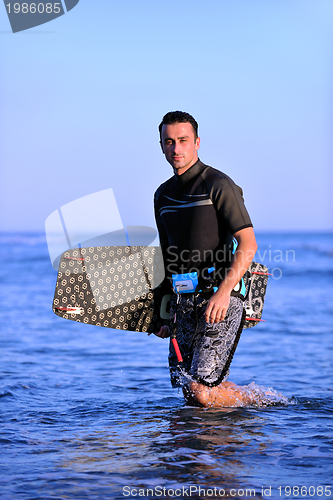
[215, 315]
[223, 314]
[163, 333]
[219, 317]
[208, 313]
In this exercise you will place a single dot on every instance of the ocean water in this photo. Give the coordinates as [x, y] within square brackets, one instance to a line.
[89, 413]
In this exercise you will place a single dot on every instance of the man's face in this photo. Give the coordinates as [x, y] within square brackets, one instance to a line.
[180, 146]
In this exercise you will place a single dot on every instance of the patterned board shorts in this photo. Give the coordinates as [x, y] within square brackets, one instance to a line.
[207, 359]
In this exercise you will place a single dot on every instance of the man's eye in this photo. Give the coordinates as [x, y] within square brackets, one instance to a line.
[182, 140]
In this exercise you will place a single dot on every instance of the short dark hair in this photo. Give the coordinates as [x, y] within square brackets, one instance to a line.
[178, 117]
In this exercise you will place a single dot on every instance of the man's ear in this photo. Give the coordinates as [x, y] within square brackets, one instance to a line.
[197, 143]
[162, 147]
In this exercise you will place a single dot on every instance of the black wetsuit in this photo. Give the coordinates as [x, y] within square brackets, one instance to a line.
[196, 215]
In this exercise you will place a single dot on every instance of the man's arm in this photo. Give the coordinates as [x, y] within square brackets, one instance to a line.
[218, 304]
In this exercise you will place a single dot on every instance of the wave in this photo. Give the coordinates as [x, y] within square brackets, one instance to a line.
[17, 238]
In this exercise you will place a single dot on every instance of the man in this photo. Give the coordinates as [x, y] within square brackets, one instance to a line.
[198, 211]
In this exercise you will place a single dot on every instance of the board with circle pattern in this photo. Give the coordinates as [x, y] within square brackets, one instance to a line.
[120, 287]
[115, 287]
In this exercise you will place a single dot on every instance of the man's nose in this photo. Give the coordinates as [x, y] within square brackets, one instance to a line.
[177, 147]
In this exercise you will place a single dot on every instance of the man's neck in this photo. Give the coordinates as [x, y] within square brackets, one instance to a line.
[181, 171]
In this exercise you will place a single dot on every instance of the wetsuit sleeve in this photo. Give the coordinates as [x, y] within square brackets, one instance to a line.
[228, 201]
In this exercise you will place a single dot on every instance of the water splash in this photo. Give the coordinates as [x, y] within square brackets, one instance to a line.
[264, 396]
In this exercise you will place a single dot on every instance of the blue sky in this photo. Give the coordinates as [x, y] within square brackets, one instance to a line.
[82, 96]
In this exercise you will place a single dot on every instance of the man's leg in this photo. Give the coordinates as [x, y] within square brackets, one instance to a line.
[209, 358]
[213, 352]
[226, 394]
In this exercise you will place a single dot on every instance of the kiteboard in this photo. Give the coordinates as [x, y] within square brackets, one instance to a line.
[121, 287]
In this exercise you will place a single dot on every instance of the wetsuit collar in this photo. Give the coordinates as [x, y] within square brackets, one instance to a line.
[190, 173]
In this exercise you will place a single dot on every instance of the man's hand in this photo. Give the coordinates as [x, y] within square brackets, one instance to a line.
[164, 332]
[217, 306]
